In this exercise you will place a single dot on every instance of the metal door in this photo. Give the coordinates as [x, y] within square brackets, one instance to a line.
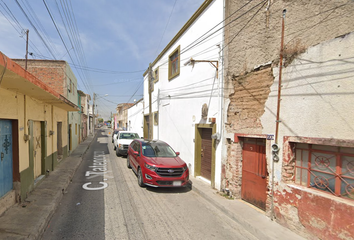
[6, 180]
[254, 172]
[206, 152]
[37, 150]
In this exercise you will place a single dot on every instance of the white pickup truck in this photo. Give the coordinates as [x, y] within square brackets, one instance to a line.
[123, 140]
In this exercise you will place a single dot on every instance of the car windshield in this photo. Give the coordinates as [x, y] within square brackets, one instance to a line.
[128, 136]
[158, 150]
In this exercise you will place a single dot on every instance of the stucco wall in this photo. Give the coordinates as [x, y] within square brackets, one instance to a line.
[315, 100]
[317, 92]
[316, 84]
[136, 118]
[179, 101]
[13, 105]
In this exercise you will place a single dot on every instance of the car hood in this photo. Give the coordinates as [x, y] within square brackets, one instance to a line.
[166, 161]
[125, 141]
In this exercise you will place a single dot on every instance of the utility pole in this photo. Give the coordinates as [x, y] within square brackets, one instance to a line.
[150, 111]
[93, 115]
[278, 110]
[27, 31]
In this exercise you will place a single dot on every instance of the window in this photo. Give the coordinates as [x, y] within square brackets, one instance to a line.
[128, 136]
[70, 86]
[327, 168]
[136, 147]
[75, 128]
[156, 118]
[174, 63]
[156, 75]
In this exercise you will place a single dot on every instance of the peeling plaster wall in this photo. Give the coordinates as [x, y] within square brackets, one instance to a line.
[317, 94]
[314, 213]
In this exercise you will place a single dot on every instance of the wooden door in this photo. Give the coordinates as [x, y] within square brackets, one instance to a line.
[6, 179]
[254, 172]
[206, 153]
[37, 149]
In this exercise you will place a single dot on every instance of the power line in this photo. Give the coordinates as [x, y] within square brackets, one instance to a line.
[168, 21]
[35, 29]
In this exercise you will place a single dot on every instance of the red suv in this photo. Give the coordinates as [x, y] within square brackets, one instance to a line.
[157, 164]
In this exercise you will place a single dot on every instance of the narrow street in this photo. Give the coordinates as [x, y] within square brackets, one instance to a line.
[109, 204]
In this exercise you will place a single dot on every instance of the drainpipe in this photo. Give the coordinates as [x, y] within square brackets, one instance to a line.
[278, 106]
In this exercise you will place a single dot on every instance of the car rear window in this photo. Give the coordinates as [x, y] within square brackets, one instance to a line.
[129, 136]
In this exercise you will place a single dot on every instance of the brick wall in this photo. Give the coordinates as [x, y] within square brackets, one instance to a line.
[252, 39]
[50, 72]
[232, 168]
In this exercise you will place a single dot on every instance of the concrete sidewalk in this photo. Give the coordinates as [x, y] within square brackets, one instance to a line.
[29, 220]
[252, 219]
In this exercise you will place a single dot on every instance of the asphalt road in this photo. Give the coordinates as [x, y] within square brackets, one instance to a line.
[104, 201]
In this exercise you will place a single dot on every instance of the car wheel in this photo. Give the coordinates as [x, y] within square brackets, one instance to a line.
[140, 178]
[117, 152]
[128, 162]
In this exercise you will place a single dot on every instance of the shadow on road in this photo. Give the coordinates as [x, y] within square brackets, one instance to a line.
[172, 190]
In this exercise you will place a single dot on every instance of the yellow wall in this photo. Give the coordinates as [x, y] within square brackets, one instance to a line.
[16, 106]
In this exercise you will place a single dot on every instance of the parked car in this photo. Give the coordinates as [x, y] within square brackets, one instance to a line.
[114, 135]
[122, 141]
[157, 164]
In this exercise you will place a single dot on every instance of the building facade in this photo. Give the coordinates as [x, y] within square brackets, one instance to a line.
[33, 130]
[136, 118]
[121, 118]
[183, 94]
[288, 126]
[84, 105]
[59, 76]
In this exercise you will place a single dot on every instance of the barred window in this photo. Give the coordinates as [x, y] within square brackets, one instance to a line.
[326, 168]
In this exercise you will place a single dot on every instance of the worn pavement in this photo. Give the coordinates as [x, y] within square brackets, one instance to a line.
[28, 220]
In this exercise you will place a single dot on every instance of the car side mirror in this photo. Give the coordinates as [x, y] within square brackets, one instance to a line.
[177, 153]
[136, 153]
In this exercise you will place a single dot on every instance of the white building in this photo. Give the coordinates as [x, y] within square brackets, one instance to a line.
[186, 97]
[136, 118]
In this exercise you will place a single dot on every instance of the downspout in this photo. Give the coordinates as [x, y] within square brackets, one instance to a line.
[221, 90]
[25, 136]
[278, 106]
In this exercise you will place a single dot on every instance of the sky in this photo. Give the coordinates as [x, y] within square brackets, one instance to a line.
[108, 44]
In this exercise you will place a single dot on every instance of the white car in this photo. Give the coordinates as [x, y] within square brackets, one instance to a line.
[123, 140]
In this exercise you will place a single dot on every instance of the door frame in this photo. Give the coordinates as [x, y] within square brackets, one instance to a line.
[197, 150]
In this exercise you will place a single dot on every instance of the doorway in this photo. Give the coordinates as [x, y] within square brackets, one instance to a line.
[6, 155]
[254, 172]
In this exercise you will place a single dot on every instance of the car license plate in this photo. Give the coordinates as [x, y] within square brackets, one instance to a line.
[177, 183]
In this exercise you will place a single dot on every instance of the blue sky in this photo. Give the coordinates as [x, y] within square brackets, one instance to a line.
[108, 44]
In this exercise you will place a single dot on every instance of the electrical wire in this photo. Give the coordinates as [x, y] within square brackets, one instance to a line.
[168, 21]
[36, 30]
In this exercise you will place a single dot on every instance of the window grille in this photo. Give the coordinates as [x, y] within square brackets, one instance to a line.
[326, 168]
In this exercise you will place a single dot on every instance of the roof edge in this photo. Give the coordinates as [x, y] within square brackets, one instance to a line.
[200, 10]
